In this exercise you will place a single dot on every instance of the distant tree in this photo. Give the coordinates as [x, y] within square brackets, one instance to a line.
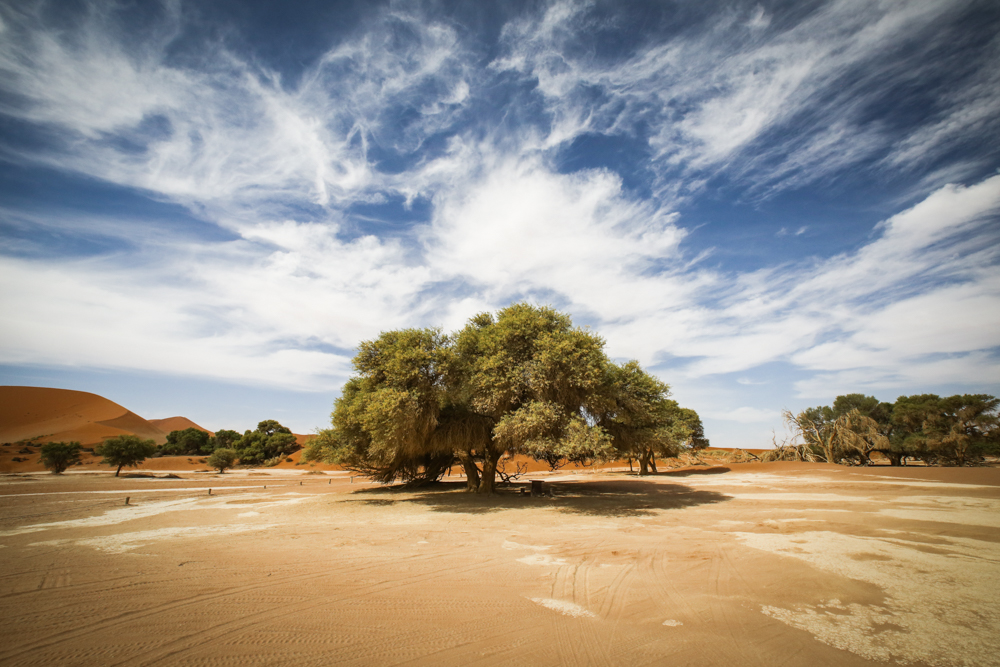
[696, 430]
[869, 406]
[849, 437]
[191, 441]
[125, 450]
[269, 441]
[222, 458]
[963, 427]
[879, 412]
[909, 440]
[643, 423]
[57, 456]
[225, 439]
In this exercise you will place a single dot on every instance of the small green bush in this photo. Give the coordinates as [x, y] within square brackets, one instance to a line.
[57, 456]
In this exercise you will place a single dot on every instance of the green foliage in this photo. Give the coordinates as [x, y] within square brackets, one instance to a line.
[269, 441]
[385, 418]
[963, 427]
[956, 430]
[222, 458]
[125, 450]
[848, 437]
[57, 456]
[643, 422]
[191, 441]
[525, 381]
[225, 439]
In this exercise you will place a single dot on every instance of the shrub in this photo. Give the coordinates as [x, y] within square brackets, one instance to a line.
[57, 456]
[222, 458]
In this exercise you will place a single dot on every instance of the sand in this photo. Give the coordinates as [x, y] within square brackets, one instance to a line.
[177, 424]
[748, 564]
[50, 415]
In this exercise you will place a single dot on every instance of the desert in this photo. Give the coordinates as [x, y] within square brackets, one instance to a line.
[751, 564]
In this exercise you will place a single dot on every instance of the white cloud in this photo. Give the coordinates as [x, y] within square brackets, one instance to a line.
[711, 94]
[746, 415]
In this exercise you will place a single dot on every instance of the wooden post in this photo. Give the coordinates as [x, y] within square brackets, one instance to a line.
[210, 492]
[126, 500]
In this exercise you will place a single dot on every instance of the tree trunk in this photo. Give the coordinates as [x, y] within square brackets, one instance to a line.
[652, 464]
[643, 465]
[488, 481]
[471, 471]
[119, 469]
[630, 464]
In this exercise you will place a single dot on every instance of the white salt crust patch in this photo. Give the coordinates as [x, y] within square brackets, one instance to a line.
[803, 497]
[927, 596]
[541, 559]
[243, 515]
[510, 546]
[148, 509]
[672, 623]
[565, 608]
[117, 544]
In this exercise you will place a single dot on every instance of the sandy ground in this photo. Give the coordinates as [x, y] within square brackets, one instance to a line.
[752, 564]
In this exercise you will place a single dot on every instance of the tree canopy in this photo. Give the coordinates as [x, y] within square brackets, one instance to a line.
[522, 382]
[222, 458]
[58, 456]
[125, 450]
[269, 442]
[191, 441]
[956, 430]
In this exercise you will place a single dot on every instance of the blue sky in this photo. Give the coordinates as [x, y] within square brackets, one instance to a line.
[205, 206]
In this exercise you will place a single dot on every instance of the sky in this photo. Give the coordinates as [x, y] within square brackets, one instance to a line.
[205, 206]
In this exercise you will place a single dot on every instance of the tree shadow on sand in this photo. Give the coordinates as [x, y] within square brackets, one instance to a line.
[608, 498]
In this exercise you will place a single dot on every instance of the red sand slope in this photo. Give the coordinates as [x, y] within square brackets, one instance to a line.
[177, 424]
[45, 415]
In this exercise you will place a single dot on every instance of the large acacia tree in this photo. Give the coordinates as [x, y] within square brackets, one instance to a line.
[643, 422]
[524, 381]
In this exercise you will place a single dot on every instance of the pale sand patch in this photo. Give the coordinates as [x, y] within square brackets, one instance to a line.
[131, 492]
[755, 480]
[925, 483]
[541, 559]
[672, 623]
[510, 546]
[565, 608]
[124, 542]
[802, 497]
[149, 509]
[973, 518]
[927, 597]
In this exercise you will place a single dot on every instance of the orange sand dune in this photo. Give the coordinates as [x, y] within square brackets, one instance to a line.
[177, 424]
[44, 415]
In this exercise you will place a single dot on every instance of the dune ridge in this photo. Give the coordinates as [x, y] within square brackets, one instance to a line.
[177, 424]
[45, 414]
